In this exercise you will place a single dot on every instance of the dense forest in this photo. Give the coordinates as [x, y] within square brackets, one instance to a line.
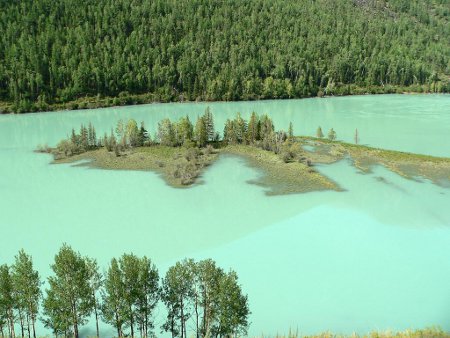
[54, 52]
[199, 297]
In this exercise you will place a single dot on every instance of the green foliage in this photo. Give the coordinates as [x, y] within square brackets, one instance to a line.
[166, 133]
[131, 294]
[332, 135]
[319, 132]
[116, 52]
[200, 132]
[235, 131]
[27, 290]
[7, 300]
[68, 302]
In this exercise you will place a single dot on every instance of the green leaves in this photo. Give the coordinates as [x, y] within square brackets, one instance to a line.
[199, 296]
[69, 301]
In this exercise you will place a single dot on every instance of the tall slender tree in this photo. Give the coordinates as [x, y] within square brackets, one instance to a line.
[95, 285]
[7, 300]
[27, 286]
[69, 288]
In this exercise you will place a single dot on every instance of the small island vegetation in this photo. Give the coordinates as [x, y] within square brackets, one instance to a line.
[181, 150]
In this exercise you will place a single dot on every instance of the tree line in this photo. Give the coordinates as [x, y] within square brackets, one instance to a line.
[125, 296]
[258, 131]
[54, 52]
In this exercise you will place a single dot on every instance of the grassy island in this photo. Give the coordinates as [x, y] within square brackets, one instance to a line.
[181, 152]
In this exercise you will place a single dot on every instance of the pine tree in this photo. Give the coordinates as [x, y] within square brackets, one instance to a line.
[208, 119]
[291, 131]
[253, 129]
[319, 133]
[200, 132]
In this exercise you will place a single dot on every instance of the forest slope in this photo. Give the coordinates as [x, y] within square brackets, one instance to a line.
[54, 52]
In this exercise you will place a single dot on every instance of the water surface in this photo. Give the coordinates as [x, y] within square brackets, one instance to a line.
[376, 256]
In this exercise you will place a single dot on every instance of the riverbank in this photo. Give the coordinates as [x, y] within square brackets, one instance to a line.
[125, 98]
[424, 333]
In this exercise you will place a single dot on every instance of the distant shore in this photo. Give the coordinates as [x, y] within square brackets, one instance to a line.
[127, 99]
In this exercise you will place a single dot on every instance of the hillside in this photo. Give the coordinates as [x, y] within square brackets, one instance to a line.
[54, 52]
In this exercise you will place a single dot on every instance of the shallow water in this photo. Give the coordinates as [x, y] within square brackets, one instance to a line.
[376, 256]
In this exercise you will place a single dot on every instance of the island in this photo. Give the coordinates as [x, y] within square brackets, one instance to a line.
[181, 151]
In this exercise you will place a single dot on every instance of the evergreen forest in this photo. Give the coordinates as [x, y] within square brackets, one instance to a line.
[83, 54]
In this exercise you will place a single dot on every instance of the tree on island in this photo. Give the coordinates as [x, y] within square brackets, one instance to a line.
[290, 131]
[253, 129]
[356, 136]
[319, 133]
[332, 135]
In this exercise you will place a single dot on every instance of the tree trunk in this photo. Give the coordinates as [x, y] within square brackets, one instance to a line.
[11, 324]
[118, 325]
[96, 318]
[34, 328]
[28, 326]
[182, 318]
[196, 316]
[75, 321]
[131, 322]
[22, 329]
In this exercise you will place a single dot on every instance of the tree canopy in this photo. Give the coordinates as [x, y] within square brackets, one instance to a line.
[59, 51]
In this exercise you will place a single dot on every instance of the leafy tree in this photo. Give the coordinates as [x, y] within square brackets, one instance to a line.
[68, 298]
[132, 133]
[7, 299]
[95, 285]
[26, 283]
[166, 133]
[209, 276]
[149, 295]
[114, 306]
[184, 130]
[177, 291]
[332, 135]
[233, 309]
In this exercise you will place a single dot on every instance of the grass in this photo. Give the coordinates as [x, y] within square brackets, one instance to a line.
[279, 177]
[179, 167]
[182, 167]
[408, 165]
[423, 333]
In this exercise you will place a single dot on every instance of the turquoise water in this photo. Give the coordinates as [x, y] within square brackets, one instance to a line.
[376, 256]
